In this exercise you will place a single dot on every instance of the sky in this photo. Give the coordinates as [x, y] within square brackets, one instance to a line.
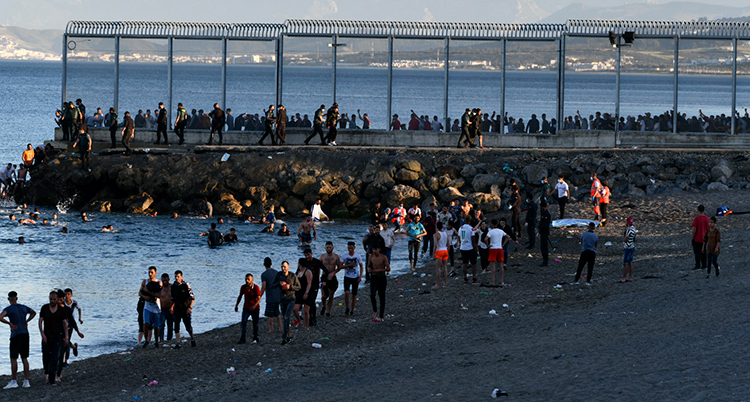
[54, 14]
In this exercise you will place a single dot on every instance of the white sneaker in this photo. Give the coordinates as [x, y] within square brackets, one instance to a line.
[574, 283]
[26, 384]
[334, 143]
[12, 384]
[588, 283]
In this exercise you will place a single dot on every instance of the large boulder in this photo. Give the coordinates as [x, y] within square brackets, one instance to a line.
[258, 195]
[483, 182]
[449, 194]
[486, 202]
[722, 169]
[302, 184]
[716, 186]
[412, 165]
[469, 171]
[534, 173]
[138, 204]
[402, 193]
[294, 206]
[457, 183]
[449, 170]
[129, 180]
[406, 176]
[227, 205]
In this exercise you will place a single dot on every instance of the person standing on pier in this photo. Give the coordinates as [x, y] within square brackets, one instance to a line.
[317, 126]
[281, 121]
[465, 124]
[331, 121]
[217, 124]
[161, 124]
[128, 130]
[110, 121]
[180, 123]
[270, 120]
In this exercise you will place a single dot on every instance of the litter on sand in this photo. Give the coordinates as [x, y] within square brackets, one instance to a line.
[317, 345]
[497, 392]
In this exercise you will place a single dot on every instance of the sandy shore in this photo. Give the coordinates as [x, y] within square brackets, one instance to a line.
[672, 334]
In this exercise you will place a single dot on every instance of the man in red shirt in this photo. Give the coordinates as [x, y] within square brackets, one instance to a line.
[700, 226]
[251, 308]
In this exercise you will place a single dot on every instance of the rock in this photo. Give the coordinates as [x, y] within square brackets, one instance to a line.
[469, 171]
[412, 165]
[483, 182]
[247, 203]
[433, 184]
[373, 190]
[429, 199]
[443, 181]
[650, 170]
[495, 190]
[486, 202]
[294, 206]
[129, 180]
[227, 205]
[402, 193]
[635, 191]
[407, 176]
[716, 186]
[644, 160]
[722, 169]
[138, 204]
[451, 171]
[98, 206]
[302, 184]
[340, 211]
[449, 194]
[258, 195]
[236, 184]
[534, 173]
[457, 183]
[177, 205]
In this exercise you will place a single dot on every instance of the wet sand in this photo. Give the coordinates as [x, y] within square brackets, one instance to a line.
[671, 334]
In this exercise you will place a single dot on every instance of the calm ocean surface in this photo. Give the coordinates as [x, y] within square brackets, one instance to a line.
[105, 269]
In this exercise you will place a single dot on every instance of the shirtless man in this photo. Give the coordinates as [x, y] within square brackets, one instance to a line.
[332, 263]
[166, 305]
[303, 233]
[379, 267]
[150, 292]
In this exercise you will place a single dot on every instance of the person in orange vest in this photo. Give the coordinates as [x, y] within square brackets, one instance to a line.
[596, 188]
[399, 215]
[604, 201]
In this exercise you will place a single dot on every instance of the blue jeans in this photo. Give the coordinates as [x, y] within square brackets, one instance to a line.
[256, 317]
[287, 308]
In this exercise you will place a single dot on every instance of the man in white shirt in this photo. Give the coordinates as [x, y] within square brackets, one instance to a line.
[353, 269]
[496, 239]
[389, 238]
[563, 192]
[317, 212]
[414, 211]
[437, 126]
[468, 249]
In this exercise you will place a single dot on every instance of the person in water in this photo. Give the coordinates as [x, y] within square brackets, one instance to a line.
[284, 231]
[215, 238]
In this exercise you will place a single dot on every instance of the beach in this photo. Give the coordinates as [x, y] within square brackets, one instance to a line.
[672, 334]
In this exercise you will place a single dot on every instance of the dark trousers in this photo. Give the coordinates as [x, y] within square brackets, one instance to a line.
[516, 222]
[603, 210]
[126, 142]
[182, 315]
[333, 132]
[67, 129]
[167, 325]
[484, 255]
[377, 286]
[561, 202]
[713, 259]
[112, 131]
[544, 245]
[451, 256]
[51, 352]
[429, 240]
[317, 129]
[218, 129]
[161, 129]
[85, 159]
[179, 130]
[700, 256]
[281, 134]
[256, 317]
[287, 308]
[268, 132]
[531, 232]
[464, 137]
[587, 257]
[413, 252]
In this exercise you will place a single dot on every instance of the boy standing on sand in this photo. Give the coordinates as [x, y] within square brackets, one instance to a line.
[700, 226]
[627, 259]
[379, 268]
[251, 307]
[711, 243]
[19, 337]
[272, 294]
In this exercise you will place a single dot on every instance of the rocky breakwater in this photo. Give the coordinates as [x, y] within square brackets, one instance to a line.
[350, 181]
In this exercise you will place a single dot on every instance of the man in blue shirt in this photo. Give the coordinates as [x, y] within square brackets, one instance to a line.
[589, 241]
[415, 231]
[19, 337]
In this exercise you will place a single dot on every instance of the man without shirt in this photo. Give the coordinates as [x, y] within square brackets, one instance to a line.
[352, 277]
[306, 232]
[150, 292]
[440, 252]
[165, 298]
[379, 268]
[53, 326]
[273, 296]
[496, 239]
[329, 283]
[19, 337]
[183, 300]
[251, 307]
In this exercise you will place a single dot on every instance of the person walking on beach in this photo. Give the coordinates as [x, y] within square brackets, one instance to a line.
[269, 121]
[544, 223]
[700, 227]
[316, 268]
[183, 300]
[415, 231]
[73, 307]
[110, 121]
[53, 326]
[251, 307]
[318, 119]
[180, 123]
[604, 201]
[628, 251]
[589, 241]
[19, 337]
[439, 250]
[563, 192]
[161, 124]
[379, 268]
[352, 277]
[288, 284]
[128, 129]
[332, 265]
[150, 291]
[218, 120]
[273, 296]
[711, 242]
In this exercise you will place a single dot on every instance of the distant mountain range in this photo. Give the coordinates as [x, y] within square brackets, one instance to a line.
[650, 11]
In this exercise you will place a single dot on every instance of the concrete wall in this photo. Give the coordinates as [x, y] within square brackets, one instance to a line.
[566, 139]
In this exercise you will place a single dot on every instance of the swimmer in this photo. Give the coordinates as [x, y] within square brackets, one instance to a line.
[84, 217]
[231, 237]
[64, 229]
[269, 218]
[27, 222]
[284, 231]
[45, 222]
[220, 221]
[108, 229]
[153, 214]
[54, 217]
[268, 229]
[174, 215]
[21, 240]
[303, 233]
[12, 217]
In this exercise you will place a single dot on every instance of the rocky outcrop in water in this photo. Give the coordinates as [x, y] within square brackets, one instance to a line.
[350, 181]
